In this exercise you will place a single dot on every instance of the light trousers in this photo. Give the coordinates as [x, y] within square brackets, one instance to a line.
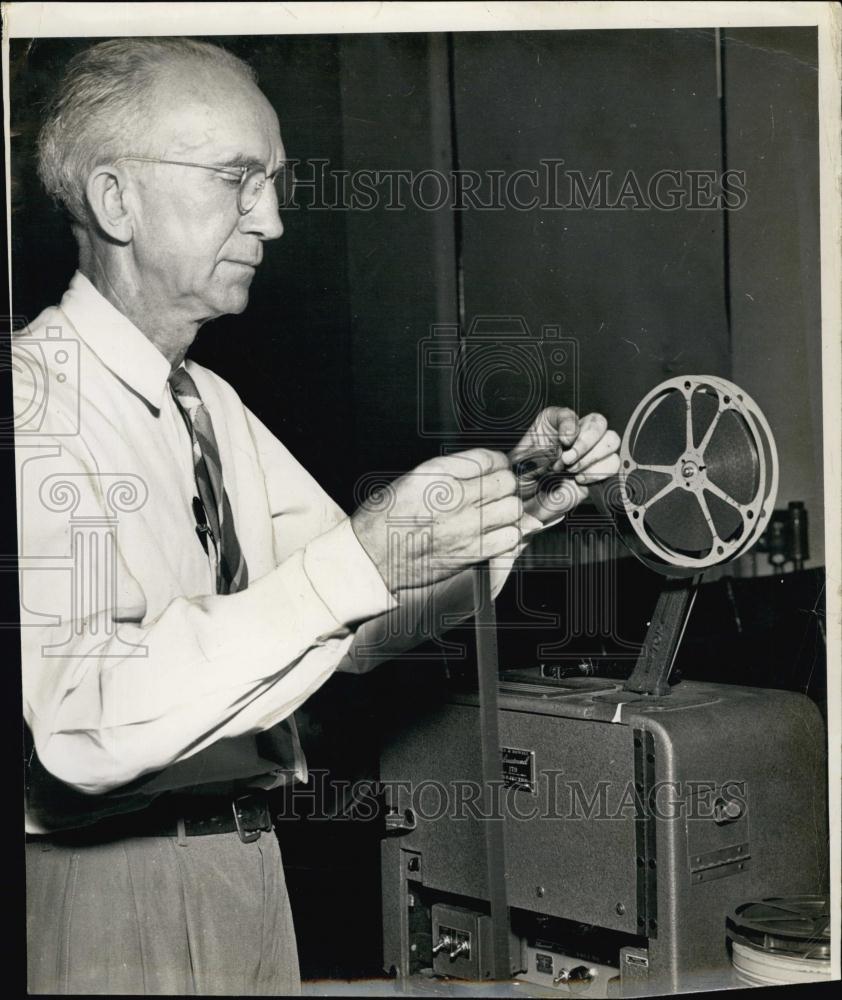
[151, 915]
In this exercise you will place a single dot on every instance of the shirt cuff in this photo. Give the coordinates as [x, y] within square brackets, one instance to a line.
[343, 575]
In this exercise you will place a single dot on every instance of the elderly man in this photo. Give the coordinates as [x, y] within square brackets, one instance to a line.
[213, 585]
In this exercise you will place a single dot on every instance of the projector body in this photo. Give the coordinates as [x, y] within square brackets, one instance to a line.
[633, 825]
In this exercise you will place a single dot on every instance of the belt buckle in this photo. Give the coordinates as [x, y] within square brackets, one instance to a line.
[249, 836]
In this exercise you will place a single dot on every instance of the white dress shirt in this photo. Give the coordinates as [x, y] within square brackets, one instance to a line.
[135, 673]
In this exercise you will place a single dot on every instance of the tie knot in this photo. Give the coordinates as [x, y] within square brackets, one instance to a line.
[184, 388]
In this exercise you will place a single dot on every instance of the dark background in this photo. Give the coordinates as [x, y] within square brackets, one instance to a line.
[327, 352]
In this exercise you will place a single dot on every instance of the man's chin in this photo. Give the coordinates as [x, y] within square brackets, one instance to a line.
[231, 300]
[238, 303]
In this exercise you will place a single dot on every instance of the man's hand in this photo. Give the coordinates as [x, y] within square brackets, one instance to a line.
[443, 516]
[583, 450]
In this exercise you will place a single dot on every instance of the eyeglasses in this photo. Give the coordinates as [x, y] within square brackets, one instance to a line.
[252, 180]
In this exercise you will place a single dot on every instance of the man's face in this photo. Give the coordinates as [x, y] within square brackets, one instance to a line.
[192, 248]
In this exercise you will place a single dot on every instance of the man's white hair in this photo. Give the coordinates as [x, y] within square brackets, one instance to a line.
[104, 108]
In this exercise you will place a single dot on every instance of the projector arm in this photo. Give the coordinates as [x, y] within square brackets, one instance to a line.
[652, 671]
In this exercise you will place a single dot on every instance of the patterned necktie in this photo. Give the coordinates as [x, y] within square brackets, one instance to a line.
[279, 744]
[231, 570]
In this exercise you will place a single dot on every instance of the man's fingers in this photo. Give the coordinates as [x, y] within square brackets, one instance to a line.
[600, 470]
[468, 464]
[495, 543]
[559, 498]
[607, 445]
[591, 429]
[557, 423]
[494, 487]
[553, 427]
[529, 525]
[507, 510]
[486, 489]
[566, 423]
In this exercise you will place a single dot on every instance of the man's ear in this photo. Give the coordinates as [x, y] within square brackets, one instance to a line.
[110, 203]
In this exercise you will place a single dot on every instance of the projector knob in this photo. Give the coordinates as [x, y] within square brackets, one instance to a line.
[577, 979]
[727, 811]
[580, 978]
[443, 942]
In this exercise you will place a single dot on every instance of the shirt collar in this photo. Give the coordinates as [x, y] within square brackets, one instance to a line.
[116, 341]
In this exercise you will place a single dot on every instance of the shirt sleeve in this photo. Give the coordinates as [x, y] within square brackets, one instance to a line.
[111, 694]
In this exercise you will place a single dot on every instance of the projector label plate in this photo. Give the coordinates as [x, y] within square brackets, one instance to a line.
[518, 768]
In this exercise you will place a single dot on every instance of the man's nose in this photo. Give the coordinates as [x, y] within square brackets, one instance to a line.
[264, 220]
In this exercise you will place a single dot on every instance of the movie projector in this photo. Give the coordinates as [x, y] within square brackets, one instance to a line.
[633, 817]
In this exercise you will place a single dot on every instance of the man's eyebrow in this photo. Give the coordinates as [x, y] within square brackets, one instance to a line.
[240, 160]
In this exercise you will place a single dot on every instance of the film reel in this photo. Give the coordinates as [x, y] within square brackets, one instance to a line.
[698, 475]
[781, 940]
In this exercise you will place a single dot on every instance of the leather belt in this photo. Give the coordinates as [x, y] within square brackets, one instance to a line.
[177, 816]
